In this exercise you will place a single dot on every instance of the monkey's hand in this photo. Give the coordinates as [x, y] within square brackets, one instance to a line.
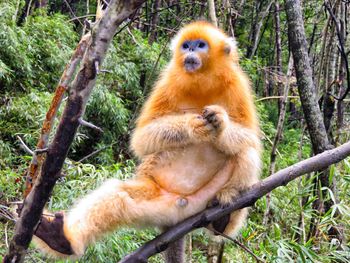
[201, 129]
[217, 117]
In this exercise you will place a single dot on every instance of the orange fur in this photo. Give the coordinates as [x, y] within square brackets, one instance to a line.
[186, 160]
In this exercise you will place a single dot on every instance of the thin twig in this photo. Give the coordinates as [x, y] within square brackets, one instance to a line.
[276, 97]
[245, 248]
[24, 146]
[90, 125]
[271, 142]
[6, 238]
[132, 36]
[95, 152]
[72, 12]
[79, 17]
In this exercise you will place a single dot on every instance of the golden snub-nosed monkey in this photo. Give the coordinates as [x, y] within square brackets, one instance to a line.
[197, 138]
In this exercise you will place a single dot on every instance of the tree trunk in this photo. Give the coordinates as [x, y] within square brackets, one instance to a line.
[278, 54]
[215, 251]
[307, 92]
[212, 13]
[154, 21]
[255, 32]
[278, 136]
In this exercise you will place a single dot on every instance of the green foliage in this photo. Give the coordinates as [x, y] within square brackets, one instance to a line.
[117, 96]
[23, 115]
[33, 55]
[32, 58]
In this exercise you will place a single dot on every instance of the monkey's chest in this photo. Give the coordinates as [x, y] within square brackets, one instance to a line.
[185, 171]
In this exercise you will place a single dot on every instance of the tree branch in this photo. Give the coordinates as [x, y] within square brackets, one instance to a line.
[248, 198]
[80, 90]
[43, 141]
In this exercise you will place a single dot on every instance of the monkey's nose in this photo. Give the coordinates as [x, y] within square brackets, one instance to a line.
[192, 63]
[190, 60]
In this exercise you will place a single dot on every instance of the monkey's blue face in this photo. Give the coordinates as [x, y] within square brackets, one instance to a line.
[198, 45]
[193, 50]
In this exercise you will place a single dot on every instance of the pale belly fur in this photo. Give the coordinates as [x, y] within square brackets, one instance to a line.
[184, 171]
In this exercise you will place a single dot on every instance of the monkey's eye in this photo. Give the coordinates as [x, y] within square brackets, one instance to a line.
[185, 46]
[201, 44]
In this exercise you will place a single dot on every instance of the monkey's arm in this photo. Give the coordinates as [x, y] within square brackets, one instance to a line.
[231, 137]
[170, 131]
[234, 138]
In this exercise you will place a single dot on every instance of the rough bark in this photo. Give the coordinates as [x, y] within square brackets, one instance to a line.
[175, 253]
[308, 97]
[330, 78]
[79, 92]
[298, 46]
[215, 251]
[247, 198]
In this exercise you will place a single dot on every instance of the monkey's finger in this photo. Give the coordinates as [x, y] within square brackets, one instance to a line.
[207, 113]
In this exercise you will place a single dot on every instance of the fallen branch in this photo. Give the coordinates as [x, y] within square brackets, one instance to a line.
[248, 198]
[79, 92]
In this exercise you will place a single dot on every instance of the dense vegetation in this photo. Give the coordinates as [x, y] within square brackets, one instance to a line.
[35, 48]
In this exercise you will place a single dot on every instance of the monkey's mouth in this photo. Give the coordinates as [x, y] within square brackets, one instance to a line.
[192, 63]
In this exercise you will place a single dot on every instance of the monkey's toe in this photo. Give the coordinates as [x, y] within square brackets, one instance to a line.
[51, 232]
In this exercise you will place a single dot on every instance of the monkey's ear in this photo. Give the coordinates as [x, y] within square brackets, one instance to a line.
[230, 44]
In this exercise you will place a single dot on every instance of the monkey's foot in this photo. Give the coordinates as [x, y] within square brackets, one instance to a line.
[220, 224]
[50, 230]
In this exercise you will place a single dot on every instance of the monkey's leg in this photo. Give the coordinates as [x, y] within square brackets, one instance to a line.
[138, 202]
[175, 253]
[245, 173]
[115, 203]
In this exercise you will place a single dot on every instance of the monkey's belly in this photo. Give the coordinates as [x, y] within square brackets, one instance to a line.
[185, 171]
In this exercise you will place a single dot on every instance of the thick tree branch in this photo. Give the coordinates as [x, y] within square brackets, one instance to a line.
[248, 198]
[80, 90]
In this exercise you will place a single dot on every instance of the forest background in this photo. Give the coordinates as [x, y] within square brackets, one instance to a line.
[306, 221]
